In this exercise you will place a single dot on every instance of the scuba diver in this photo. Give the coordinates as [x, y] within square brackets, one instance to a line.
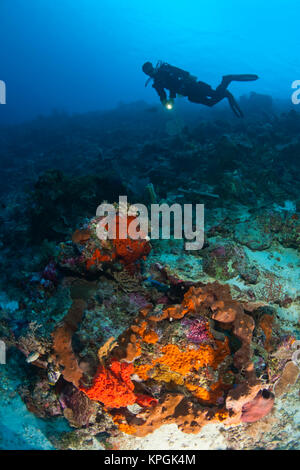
[180, 82]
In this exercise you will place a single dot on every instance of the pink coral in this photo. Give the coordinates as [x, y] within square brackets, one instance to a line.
[198, 330]
[258, 408]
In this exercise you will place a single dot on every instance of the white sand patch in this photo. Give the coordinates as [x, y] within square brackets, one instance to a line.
[284, 263]
[168, 437]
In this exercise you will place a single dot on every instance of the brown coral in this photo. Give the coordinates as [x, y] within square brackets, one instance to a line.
[288, 377]
[266, 323]
[81, 236]
[203, 371]
[62, 343]
[175, 408]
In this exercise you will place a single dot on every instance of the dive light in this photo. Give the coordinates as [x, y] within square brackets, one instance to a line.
[169, 104]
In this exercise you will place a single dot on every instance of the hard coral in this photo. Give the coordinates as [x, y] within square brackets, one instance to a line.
[289, 376]
[189, 364]
[62, 343]
[228, 260]
[81, 236]
[265, 323]
[95, 252]
[196, 377]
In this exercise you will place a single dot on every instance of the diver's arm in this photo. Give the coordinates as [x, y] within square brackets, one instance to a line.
[172, 95]
[160, 91]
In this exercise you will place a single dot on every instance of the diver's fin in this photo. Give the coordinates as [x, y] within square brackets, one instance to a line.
[244, 77]
[234, 106]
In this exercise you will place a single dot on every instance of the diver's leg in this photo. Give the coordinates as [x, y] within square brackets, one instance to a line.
[213, 97]
[197, 92]
[204, 100]
[217, 97]
[205, 95]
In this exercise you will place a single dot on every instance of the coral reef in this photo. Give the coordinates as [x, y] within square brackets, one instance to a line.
[91, 253]
[113, 344]
[201, 383]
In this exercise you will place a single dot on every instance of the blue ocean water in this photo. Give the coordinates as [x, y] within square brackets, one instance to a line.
[86, 55]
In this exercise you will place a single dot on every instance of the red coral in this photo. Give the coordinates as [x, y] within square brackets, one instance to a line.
[146, 401]
[113, 386]
[128, 249]
[98, 258]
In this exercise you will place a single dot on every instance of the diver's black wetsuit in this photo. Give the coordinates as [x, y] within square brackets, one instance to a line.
[178, 81]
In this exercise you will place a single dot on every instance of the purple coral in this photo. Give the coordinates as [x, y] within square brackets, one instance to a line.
[138, 301]
[50, 273]
[197, 330]
[220, 251]
[79, 403]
